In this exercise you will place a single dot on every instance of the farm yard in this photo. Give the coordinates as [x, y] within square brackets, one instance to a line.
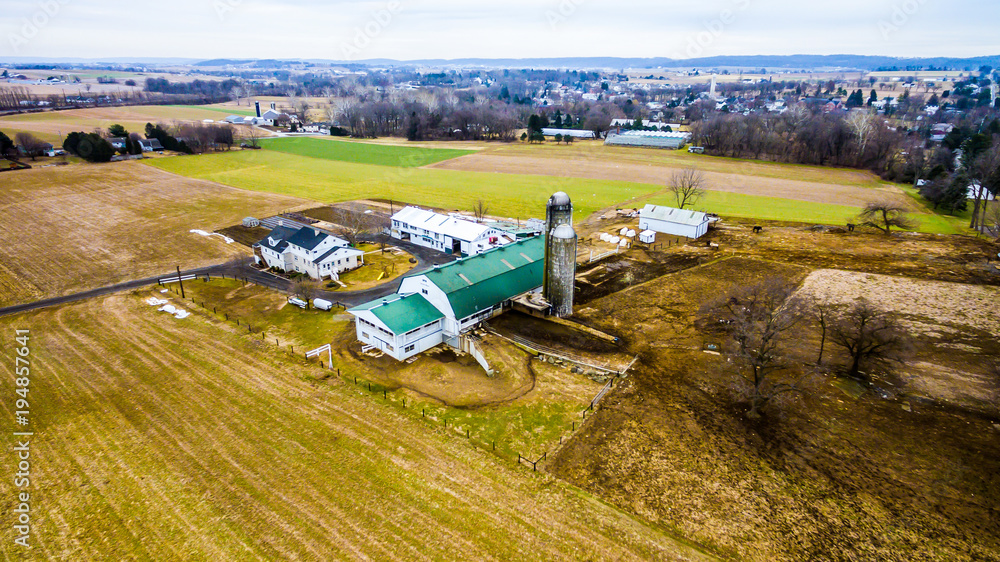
[524, 407]
[78, 227]
[166, 438]
[280, 458]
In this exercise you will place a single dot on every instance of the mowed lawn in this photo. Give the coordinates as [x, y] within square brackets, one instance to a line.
[77, 227]
[329, 148]
[165, 439]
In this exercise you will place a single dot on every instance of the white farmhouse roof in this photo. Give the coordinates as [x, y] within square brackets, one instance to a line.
[676, 216]
[338, 253]
[458, 229]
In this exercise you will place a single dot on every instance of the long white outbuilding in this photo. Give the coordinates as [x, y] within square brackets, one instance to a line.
[676, 222]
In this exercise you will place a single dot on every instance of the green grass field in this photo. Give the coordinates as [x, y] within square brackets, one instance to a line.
[516, 196]
[330, 181]
[361, 153]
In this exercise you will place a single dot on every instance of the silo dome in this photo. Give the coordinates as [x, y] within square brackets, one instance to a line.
[559, 198]
[564, 232]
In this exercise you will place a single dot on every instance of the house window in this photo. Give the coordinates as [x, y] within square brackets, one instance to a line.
[365, 335]
[408, 348]
[424, 291]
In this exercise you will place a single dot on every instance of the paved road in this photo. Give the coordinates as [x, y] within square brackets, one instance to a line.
[100, 292]
[426, 258]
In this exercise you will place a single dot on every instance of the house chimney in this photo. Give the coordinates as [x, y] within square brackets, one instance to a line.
[273, 106]
[281, 223]
[316, 231]
[258, 108]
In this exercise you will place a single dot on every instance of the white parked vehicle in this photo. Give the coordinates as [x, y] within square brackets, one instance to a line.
[298, 302]
[322, 304]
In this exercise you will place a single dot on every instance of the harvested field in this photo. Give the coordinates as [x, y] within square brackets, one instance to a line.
[73, 228]
[162, 439]
[133, 118]
[911, 474]
[613, 170]
[962, 259]
[956, 326]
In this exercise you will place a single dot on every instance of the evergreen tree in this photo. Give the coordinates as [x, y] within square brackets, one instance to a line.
[872, 98]
[6, 145]
[117, 130]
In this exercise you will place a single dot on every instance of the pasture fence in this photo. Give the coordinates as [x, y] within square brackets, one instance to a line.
[464, 431]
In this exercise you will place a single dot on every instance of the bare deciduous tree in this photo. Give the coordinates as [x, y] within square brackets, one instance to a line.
[687, 186]
[862, 124]
[480, 209]
[251, 136]
[29, 143]
[873, 339]
[352, 222]
[236, 93]
[304, 288]
[757, 318]
[886, 215]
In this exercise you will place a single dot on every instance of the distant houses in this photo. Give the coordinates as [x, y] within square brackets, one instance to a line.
[308, 251]
[150, 145]
[448, 234]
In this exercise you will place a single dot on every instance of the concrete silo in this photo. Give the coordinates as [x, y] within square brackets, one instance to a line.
[558, 211]
[560, 270]
[560, 254]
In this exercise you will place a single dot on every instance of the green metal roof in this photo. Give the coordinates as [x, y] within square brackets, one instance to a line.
[401, 313]
[487, 279]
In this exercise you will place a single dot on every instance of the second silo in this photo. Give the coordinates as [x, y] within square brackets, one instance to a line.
[558, 211]
[560, 270]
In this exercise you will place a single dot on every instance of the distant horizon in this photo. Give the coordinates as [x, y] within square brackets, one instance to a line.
[352, 30]
[626, 59]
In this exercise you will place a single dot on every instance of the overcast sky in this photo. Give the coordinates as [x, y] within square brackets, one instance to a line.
[417, 29]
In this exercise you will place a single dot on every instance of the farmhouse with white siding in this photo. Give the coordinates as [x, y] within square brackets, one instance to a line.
[448, 234]
[676, 222]
[307, 250]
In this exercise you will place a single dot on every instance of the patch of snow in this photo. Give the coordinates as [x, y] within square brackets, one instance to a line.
[227, 239]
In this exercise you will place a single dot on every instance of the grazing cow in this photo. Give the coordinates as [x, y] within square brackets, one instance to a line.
[757, 229]
[850, 227]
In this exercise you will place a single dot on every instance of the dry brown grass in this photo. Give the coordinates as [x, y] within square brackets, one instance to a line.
[831, 477]
[742, 179]
[72, 228]
[165, 439]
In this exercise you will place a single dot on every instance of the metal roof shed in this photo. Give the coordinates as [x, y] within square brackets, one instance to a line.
[676, 222]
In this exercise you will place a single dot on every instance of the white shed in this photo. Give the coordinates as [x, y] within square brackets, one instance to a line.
[647, 236]
[676, 222]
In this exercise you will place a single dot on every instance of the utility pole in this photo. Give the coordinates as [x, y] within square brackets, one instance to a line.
[179, 280]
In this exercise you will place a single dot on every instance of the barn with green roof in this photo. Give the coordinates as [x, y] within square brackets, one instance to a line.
[437, 306]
